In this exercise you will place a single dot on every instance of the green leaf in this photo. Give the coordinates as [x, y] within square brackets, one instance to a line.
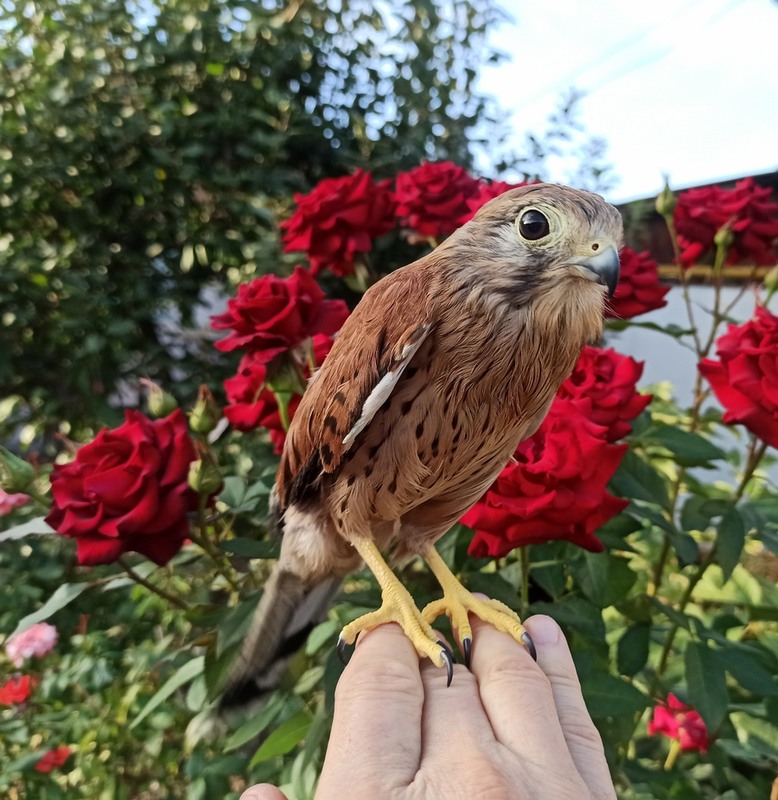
[730, 541]
[676, 617]
[748, 671]
[34, 527]
[64, 594]
[707, 684]
[608, 696]
[251, 548]
[284, 738]
[603, 578]
[689, 449]
[637, 479]
[190, 670]
[254, 726]
[697, 512]
[632, 649]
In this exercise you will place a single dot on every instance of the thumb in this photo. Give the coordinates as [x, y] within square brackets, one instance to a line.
[263, 791]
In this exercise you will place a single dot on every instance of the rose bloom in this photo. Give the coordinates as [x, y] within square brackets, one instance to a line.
[745, 378]
[555, 489]
[638, 289]
[8, 502]
[53, 758]
[486, 192]
[432, 198]
[677, 721]
[127, 490]
[15, 690]
[339, 219]
[272, 315]
[37, 640]
[605, 382]
[748, 211]
[253, 405]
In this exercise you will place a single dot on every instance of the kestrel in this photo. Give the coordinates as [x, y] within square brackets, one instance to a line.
[442, 369]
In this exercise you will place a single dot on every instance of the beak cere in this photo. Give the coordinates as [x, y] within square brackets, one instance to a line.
[605, 266]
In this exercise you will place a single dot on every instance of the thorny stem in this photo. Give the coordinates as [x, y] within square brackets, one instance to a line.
[217, 557]
[684, 280]
[755, 452]
[159, 591]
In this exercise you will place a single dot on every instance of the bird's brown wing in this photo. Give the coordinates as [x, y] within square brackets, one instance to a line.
[369, 356]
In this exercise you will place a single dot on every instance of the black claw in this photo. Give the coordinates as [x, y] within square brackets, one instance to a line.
[342, 648]
[530, 645]
[467, 645]
[449, 659]
[446, 647]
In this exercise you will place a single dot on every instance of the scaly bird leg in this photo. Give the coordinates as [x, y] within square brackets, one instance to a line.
[397, 606]
[457, 601]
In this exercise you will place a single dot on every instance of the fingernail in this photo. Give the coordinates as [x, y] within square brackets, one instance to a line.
[544, 630]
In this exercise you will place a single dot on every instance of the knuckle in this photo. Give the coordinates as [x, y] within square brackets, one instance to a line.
[377, 679]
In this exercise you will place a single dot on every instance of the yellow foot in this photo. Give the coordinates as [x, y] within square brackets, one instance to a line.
[458, 601]
[397, 606]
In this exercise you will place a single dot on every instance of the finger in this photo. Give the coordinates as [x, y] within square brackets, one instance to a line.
[583, 739]
[376, 729]
[263, 791]
[518, 700]
[453, 719]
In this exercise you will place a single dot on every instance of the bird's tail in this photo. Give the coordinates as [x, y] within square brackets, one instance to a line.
[289, 609]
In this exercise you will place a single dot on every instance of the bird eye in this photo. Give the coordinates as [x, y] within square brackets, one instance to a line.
[533, 225]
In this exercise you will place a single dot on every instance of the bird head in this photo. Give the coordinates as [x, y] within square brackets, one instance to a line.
[545, 237]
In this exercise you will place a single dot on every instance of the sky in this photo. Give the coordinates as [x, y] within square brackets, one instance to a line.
[687, 88]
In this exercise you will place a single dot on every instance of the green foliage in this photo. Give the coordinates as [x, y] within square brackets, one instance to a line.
[147, 150]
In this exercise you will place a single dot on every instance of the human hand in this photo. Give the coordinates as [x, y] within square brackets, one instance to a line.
[508, 729]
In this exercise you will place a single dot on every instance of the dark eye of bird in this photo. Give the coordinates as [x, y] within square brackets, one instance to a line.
[533, 225]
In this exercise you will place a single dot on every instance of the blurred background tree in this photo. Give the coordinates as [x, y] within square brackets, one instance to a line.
[146, 151]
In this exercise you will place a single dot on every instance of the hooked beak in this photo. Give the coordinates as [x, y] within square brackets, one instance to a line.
[605, 266]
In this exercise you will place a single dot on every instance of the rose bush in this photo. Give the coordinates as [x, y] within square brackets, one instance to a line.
[272, 315]
[555, 488]
[433, 198]
[745, 378]
[127, 491]
[639, 289]
[678, 721]
[338, 220]
[746, 211]
[622, 516]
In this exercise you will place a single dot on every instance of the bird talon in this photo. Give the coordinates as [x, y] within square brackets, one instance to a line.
[342, 645]
[526, 640]
[467, 646]
[448, 659]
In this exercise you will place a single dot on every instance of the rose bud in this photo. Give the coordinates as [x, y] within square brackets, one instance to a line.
[158, 402]
[205, 413]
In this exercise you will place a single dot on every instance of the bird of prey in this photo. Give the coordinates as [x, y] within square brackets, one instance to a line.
[444, 366]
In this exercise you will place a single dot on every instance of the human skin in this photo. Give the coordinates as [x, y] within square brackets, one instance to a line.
[507, 729]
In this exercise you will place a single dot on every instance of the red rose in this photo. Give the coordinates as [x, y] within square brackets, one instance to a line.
[432, 198]
[746, 210]
[638, 289]
[339, 219]
[603, 384]
[271, 315]
[53, 758]
[745, 379]
[127, 490]
[677, 721]
[253, 405]
[486, 192]
[554, 489]
[15, 690]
